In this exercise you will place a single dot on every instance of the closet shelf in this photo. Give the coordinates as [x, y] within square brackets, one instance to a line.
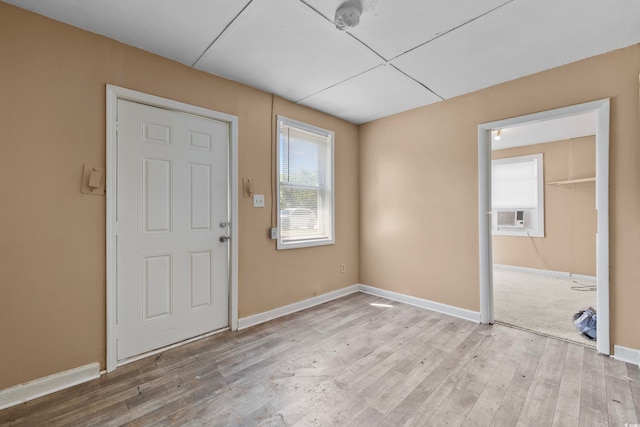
[571, 181]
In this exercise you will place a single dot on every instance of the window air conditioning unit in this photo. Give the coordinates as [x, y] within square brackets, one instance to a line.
[511, 219]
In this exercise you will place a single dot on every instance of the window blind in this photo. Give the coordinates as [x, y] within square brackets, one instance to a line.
[515, 185]
[305, 184]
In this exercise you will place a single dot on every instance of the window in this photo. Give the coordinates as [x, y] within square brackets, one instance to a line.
[517, 196]
[305, 185]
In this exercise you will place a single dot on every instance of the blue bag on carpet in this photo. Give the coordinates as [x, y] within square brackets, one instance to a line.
[586, 322]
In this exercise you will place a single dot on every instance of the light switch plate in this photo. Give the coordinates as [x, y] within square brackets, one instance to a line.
[258, 200]
[97, 179]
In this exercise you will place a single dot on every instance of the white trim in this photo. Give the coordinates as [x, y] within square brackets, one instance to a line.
[112, 110]
[42, 386]
[461, 313]
[266, 316]
[256, 319]
[602, 236]
[554, 273]
[113, 94]
[564, 274]
[485, 225]
[234, 173]
[602, 108]
[626, 354]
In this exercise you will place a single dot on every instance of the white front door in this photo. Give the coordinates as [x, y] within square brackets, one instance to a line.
[172, 208]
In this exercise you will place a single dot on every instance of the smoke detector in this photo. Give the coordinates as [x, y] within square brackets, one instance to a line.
[348, 15]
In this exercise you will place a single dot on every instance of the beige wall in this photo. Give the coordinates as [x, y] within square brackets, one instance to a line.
[52, 250]
[419, 185]
[417, 232]
[569, 243]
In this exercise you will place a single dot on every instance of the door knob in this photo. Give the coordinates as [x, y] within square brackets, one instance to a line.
[224, 238]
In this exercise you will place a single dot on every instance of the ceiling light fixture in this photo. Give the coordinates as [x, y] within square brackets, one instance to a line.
[348, 15]
[498, 135]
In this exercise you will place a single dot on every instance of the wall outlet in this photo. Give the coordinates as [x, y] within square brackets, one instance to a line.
[274, 233]
[342, 268]
[258, 200]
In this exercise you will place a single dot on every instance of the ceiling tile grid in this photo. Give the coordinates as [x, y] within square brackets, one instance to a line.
[284, 47]
[520, 39]
[377, 93]
[404, 54]
[178, 30]
[393, 27]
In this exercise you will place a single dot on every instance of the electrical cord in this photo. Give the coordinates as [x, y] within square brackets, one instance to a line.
[545, 265]
[584, 288]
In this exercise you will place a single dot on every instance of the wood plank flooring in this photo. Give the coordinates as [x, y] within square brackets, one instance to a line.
[357, 361]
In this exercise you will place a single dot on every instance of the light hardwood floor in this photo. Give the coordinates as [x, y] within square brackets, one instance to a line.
[356, 361]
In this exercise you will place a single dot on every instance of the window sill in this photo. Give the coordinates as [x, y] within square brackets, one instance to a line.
[298, 244]
[517, 233]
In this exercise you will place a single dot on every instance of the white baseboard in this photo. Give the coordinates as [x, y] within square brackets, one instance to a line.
[42, 386]
[462, 313]
[545, 272]
[256, 319]
[626, 354]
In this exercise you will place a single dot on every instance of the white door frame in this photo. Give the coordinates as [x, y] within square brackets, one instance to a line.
[601, 108]
[113, 94]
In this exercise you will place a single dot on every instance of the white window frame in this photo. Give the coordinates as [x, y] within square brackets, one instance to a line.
[329, 187]
[538, 231]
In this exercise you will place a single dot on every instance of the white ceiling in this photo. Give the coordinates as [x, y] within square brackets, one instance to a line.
[404, 53]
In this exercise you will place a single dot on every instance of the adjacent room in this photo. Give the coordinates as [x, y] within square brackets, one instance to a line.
[544, 225]
[242, 212]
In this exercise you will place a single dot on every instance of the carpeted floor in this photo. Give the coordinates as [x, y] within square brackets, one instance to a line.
[542, 303]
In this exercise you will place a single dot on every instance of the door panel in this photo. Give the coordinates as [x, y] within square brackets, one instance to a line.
[200, 197]
[172, 270]
[156, 272]
[200, 278]
[156, 195]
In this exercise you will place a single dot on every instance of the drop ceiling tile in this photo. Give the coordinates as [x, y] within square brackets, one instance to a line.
[520, 39]
[177, 30]
[286, 48]
[393, 27]
[377, 93]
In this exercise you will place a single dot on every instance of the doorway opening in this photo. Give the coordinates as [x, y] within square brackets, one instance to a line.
[544, 265]
[598, 111]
